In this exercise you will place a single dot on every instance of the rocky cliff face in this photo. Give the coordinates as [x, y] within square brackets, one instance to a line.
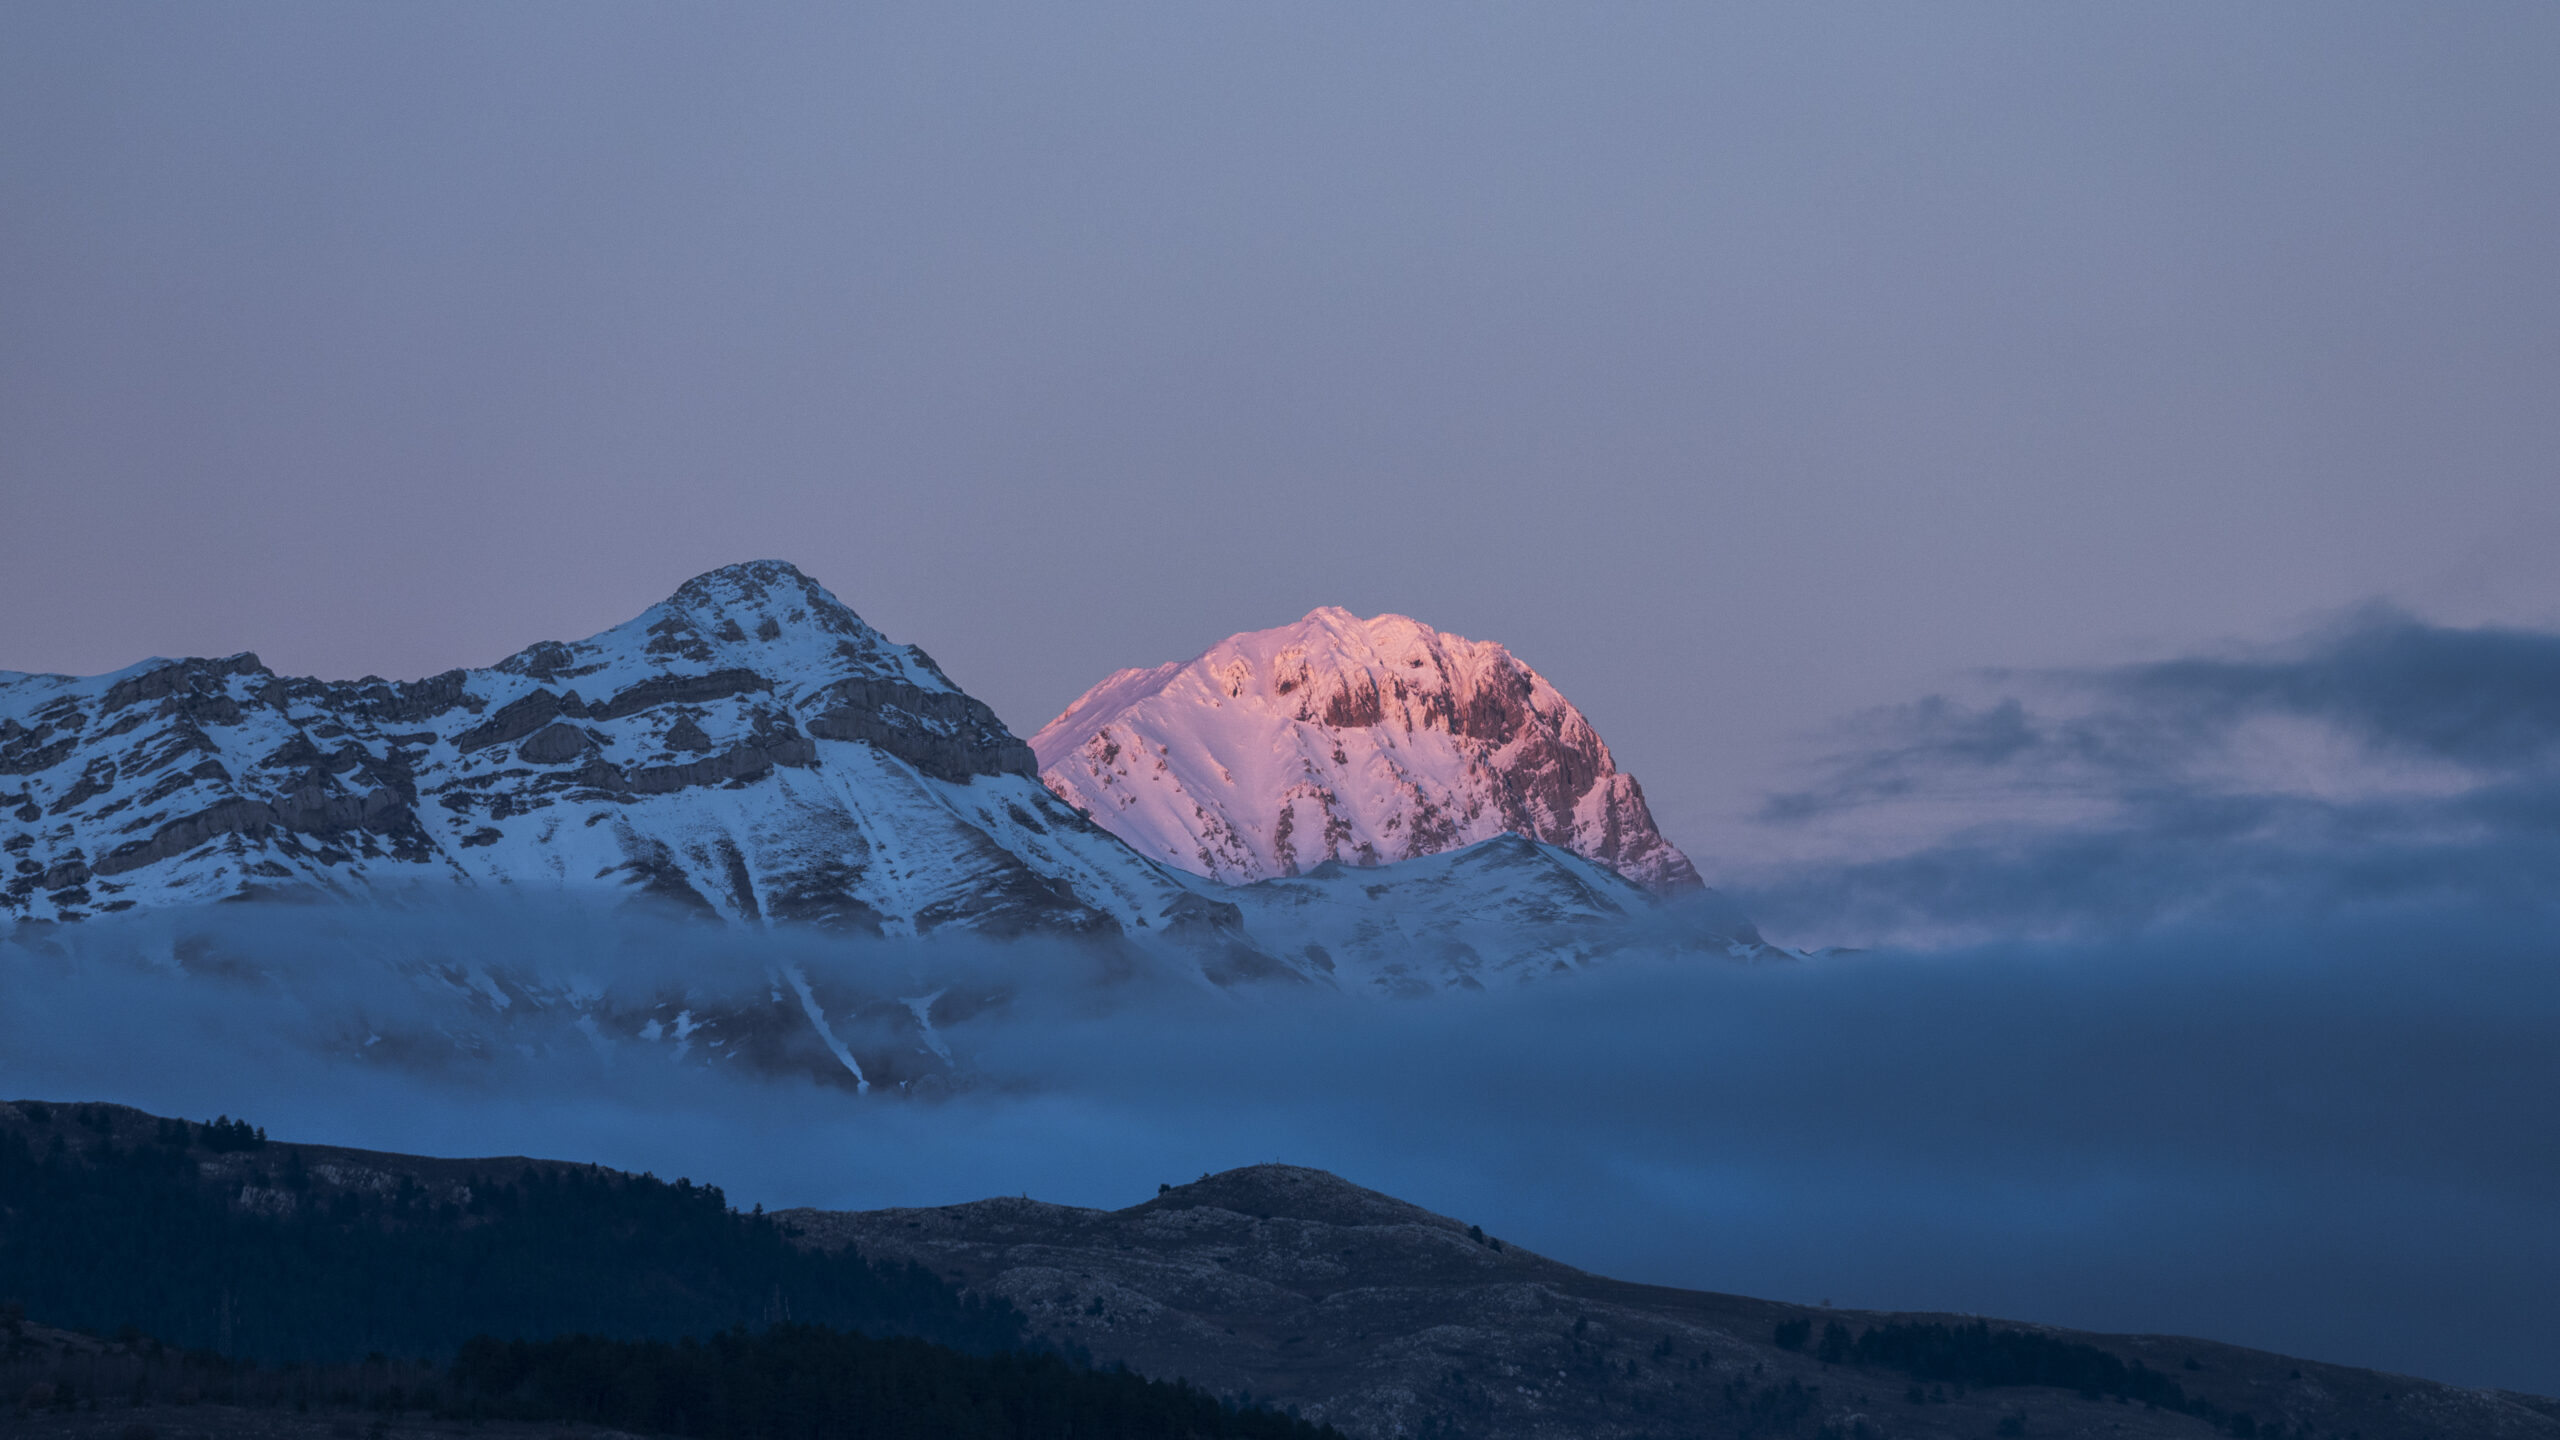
[747, 749]
[1338, 739]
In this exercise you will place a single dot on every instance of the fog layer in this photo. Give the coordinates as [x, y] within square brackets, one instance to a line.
[2330, 1137]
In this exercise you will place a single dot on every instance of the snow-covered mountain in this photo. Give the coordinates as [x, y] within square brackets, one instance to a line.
[1359, 742]
[751, 751]
[1498, 912]
[748, 749]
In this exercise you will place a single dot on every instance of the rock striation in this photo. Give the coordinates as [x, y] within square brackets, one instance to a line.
[1351, 741]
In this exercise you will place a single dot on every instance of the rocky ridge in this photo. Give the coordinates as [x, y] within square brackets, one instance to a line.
[747, 749]
[1360, 742]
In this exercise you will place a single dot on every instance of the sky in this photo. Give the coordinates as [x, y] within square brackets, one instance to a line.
[2058, 498]
[1739, 367]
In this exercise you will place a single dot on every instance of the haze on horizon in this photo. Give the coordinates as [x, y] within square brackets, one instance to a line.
[1736, 368]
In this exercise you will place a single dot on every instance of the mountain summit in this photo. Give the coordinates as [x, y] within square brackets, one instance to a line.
[1362, 742]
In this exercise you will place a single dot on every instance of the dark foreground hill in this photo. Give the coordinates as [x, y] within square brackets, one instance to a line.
[208, 1236]
[307, 1285]
[1383, 1319]
[788, 1382]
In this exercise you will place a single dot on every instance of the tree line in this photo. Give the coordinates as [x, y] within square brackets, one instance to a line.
[268, 1263]
[788, 1382]
[560, 1293]
[794, 1381]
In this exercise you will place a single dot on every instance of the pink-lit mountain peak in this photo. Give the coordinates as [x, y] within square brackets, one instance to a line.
[1363, 741]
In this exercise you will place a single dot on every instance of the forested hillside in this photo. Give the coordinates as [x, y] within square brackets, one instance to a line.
[209, 1237]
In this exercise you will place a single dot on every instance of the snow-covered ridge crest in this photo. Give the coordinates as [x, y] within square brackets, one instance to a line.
[762, 615]
[747, 748]
[1362, 742]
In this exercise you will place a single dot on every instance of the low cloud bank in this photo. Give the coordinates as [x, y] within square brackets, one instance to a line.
[2381, 761]
[2330, 1136]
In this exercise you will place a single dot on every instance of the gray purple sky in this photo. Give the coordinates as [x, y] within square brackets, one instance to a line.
[1738, 367]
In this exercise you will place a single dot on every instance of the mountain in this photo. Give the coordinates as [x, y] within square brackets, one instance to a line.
[747, 749]
[751, 751]
[1356, 741]
[1380, 1318]
[1499, 911]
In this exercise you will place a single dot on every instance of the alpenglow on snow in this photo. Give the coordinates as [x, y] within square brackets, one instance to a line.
[1363, 742]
